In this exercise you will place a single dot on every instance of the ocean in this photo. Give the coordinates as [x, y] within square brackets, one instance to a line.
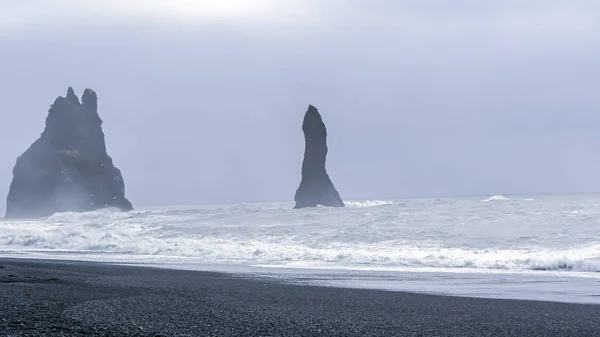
[539, 247]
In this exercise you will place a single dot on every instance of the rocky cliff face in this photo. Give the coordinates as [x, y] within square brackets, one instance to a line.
[67, 169]
[315, 188]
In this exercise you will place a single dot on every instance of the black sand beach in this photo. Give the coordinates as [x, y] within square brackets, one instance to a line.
[58, 298]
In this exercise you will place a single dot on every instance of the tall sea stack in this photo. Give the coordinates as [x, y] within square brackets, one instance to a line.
[315, 188]
[67, 169]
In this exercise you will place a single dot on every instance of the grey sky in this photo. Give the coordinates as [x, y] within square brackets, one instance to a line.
[203, 101]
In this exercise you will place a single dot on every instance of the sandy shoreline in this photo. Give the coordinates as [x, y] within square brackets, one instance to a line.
[66, 298]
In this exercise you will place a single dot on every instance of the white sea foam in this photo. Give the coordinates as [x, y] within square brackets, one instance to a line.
[449, 234]
[496, 198]
[503, 198]
[367, 203]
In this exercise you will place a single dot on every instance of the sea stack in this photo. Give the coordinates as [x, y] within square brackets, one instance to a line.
[315, 188]
[67, 169]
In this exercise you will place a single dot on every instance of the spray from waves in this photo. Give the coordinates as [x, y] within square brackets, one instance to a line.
[168, 236]
[496, 198]
[368, 203]
[503, 198]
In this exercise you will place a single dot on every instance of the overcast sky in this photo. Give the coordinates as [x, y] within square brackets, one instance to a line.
[203, 100]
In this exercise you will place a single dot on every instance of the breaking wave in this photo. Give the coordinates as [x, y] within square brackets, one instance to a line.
[368, 203]
[273, 234]
[496, 198]
[503, 198]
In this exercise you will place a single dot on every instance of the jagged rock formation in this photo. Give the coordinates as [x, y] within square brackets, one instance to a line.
[67, 169]
[315, 188]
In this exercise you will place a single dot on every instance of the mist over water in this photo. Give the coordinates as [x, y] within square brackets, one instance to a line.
[202, 102]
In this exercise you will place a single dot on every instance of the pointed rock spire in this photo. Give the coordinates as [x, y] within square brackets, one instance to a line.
[71, 97]
[90, 100]
[315, 187]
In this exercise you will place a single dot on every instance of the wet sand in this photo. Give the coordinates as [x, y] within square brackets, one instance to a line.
[63, 298]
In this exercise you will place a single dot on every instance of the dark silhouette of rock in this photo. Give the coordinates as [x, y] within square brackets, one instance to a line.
[315, 188]
[67, 169]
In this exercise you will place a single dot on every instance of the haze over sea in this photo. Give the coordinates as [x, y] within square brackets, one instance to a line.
[528, 247]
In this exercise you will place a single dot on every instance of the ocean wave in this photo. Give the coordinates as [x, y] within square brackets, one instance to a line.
[257, 235]
[503, 198]
[367, 203]
[139, 242]
[496, 198]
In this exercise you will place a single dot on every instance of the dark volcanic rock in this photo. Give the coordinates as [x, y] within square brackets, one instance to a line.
[315, 188]
[67, 169]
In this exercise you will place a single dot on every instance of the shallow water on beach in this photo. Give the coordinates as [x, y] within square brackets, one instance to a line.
[534, 247]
